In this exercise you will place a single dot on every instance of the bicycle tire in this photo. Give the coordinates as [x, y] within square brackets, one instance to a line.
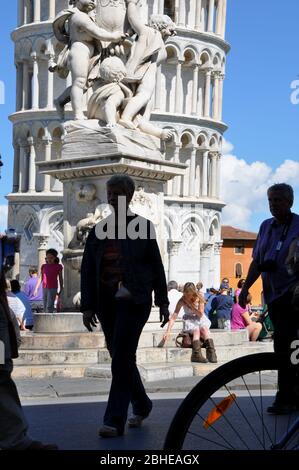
[210, 384]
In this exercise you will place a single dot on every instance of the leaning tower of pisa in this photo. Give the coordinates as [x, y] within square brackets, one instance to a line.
[187, 99]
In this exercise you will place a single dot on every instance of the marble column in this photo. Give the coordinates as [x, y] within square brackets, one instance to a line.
[50, 87]
[218, 28]
[177, 179]
[42, 248]
[16, 167]
[160, 7]
[48, 148]
[211, 16]
[214, 157]
[25, 85]
[15, 272]
[204, 177]
[216, 76]
[178, 88]
[19, 86]
[52, 12]
[20, 12]
[192, 172]
[207, 103]
[223, 25]
[205, 258]
[220, 106]
[25, 14]
[32, 167]
[182, 13]
[198, 24]
[173, 250]
[217, 262]
[195, 89]
[218, 173]
[158, 88]
[22, 167]
[35, 82]
[36, 17]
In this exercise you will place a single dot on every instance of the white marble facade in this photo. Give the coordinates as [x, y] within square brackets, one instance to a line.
[188, 99]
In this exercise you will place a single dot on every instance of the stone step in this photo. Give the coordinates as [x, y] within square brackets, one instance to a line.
[43, 371]
[144, 355]
[68, 341]
[148, 339]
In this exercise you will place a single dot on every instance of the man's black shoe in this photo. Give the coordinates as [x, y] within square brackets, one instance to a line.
[281, 408]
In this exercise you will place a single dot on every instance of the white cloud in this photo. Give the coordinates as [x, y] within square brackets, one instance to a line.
[244, 186]
[3, 217]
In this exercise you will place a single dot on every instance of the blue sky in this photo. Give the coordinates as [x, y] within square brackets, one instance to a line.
[263, 124]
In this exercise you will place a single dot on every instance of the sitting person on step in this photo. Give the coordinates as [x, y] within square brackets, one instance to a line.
[195, 323]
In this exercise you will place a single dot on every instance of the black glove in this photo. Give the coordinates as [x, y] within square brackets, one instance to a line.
[89, 320]
[164, 315]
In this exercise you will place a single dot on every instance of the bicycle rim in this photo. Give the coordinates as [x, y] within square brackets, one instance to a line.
[227, 409]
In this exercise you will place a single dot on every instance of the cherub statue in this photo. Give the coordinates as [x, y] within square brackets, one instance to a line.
[84, 226]
[148, 51]
[83, 38]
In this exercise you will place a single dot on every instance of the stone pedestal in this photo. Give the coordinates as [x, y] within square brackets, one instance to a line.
[90, 156]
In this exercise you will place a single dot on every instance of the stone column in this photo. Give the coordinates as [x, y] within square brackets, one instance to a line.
[16, 167]
[218, 172]
[219, 17]
[20, 12]
[19, 86]
[42, 248]
[48, 146]
[178, 88]
[158, 88]
[15, 272]
[205, 257]
[52, 13]
[204, 180]
[35, 82]
[25, 12]
[195, 89]
[217, 263]
[25, 85]
[32, 167]
[173, 249]
[182, 13]
[207, 103]
[216, 76]
[22, 167]
[211, 16]
[177, 179]
[220, 106]
[198, 24]
[160, 7]
[192, 172]
[36, 17]
[50, 87]
[224, 7]
[214, 157]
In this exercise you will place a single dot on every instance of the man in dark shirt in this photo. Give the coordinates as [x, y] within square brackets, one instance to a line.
[222, 304]
[118, 275]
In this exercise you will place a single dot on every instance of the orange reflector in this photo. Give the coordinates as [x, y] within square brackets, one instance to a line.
[219, 410]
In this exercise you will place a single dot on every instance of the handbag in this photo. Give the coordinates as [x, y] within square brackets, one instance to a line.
[183, 340]
[123, 293]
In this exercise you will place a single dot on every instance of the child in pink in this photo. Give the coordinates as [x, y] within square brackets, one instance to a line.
[241, 319]
[51, 271]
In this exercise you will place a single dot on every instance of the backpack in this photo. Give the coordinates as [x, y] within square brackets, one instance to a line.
[267, 326]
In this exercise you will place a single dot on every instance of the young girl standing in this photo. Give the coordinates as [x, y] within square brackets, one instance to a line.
[51, 271]
[195, 322]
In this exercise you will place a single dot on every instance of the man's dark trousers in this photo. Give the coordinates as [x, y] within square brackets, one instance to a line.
[286, 325]
[122, 322]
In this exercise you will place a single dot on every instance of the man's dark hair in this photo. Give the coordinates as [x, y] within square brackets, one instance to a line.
[122, 181]
[284, 188]
[172, 285]
[33, 270]
[15, 286]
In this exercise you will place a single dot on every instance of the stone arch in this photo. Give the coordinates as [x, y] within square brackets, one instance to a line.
[205, 58]
[213, 144]
[202, 140]
[193, 231]
[190, 59]
[217, 61]
[169, 9]
[40, 156]
[187, 143]
[56, 148]
[28, 11]
[214, 229]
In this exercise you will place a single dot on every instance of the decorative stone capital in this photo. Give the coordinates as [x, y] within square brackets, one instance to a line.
[46, 140]
[30, 141]
[33, 56]
[206, 249]
[42, 240]
[174, 246]
[215, 154]
[218, 247]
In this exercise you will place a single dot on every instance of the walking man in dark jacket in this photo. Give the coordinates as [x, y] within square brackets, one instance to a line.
[121, 267]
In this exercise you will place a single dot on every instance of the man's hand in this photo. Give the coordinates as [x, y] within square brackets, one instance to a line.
[243, 297]
[164, 315]
[89, 320]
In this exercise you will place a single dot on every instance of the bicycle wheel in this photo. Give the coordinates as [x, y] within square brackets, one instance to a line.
[226, 410]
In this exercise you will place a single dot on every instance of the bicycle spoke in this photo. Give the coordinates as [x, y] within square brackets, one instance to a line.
[209, 440]
[217, 432]
[246, 419]
[231, 426]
